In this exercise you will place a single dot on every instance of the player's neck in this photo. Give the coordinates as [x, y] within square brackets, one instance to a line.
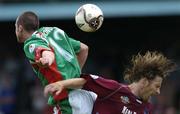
[135, 88]
[27, 35]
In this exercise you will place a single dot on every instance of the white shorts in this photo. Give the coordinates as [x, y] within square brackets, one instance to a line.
[81, 102]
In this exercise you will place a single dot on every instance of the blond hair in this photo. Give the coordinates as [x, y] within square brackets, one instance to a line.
[149, 65]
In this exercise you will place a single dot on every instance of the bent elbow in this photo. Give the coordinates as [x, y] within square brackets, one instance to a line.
[84, 47]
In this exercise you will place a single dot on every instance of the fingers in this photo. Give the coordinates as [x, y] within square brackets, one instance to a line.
[49, 89]
[46, 91]
[58, 92]
[53, 89]
[43, 62]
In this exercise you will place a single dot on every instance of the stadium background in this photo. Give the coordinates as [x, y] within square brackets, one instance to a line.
[130, 26]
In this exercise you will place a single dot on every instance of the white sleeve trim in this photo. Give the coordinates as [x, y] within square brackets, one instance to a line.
[94, 76]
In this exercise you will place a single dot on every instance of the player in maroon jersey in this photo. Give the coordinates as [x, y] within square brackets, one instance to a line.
[145, 76]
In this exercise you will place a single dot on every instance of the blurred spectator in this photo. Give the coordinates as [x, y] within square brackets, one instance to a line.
[7, 93]
[177, 100]
[170, 110]
[159, 104]
[39, 102]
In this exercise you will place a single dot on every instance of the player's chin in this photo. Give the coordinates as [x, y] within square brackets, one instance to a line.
[154, 94]
[19, 41]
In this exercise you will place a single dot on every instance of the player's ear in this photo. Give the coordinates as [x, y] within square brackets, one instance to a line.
[145, 82]
[20, 28]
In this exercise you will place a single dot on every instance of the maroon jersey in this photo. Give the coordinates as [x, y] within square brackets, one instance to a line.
[114, 97]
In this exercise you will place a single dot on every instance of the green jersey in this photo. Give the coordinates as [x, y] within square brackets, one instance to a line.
[65, 65]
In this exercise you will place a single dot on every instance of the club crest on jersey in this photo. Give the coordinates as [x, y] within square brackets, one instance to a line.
[31, 48]
[125, 99]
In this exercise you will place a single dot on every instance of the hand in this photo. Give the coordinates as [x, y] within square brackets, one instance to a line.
[54, 88]
[43, 62]
[46, 60]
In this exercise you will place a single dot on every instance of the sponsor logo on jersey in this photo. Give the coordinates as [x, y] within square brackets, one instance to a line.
[47, 30]
[125, 99]
[127, 111]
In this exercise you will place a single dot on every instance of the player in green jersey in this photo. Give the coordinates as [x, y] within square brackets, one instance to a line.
[54, 56]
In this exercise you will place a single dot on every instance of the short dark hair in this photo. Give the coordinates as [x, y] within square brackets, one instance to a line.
[29, 20]
[149, 65]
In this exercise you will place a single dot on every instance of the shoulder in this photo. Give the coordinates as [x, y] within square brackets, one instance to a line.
[99, 80]
[57, 30]
[35, 38]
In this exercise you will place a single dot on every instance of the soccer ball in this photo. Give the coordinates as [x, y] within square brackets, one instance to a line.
[89, 18]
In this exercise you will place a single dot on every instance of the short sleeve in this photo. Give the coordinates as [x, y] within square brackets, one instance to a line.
[33, 48]
[75, 44]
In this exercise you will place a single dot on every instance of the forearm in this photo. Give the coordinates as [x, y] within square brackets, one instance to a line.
[75, 83]
[57, 87]
[82, 55]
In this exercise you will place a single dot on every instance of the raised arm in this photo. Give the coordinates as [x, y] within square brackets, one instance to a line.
[83, 54]
[46, 59]
[57, 87]
[38, 52]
